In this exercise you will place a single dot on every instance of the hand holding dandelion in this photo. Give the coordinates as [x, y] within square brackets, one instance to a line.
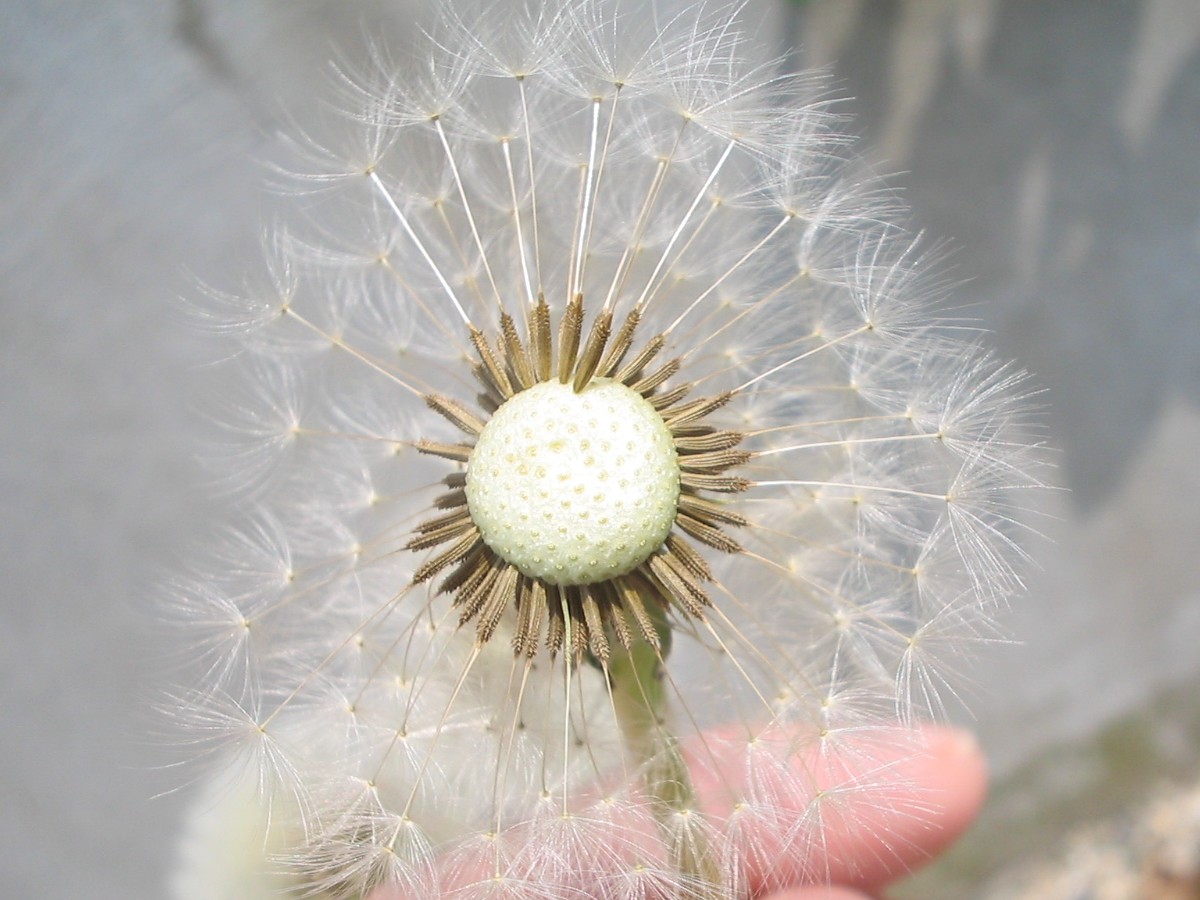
[942, 774]
[612, 489]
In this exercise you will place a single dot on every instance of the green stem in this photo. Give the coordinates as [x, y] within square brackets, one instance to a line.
[640, 699]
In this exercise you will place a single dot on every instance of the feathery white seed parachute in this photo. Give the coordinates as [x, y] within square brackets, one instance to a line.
[569, 199]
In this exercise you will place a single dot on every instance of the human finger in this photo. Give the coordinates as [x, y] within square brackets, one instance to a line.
[858, 815]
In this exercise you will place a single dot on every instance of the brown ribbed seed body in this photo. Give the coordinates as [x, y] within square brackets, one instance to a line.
[623, 606]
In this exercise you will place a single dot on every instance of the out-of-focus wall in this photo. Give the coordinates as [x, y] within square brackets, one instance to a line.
[1055, 144]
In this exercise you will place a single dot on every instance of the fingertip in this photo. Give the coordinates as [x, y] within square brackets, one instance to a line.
[955, 772]
[941, 776]
[885, 803]
[951, 772]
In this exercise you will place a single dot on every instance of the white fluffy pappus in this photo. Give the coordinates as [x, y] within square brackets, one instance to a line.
[584, 195]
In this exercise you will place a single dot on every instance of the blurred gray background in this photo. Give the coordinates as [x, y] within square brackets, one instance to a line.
[1056, 142]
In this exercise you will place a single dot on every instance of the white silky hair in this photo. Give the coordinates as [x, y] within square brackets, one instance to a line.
[641, 161]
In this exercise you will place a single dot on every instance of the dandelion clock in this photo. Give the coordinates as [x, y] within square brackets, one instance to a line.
[605, 484]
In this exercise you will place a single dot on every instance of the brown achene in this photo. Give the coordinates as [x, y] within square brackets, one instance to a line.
[485, 585]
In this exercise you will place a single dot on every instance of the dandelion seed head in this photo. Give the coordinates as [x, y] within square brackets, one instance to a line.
[603, 472]
[574, 488]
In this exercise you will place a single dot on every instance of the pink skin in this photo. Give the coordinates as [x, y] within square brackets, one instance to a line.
[943, 788]
[934, 791]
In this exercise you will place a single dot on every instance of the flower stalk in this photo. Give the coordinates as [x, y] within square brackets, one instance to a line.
[636, 675]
